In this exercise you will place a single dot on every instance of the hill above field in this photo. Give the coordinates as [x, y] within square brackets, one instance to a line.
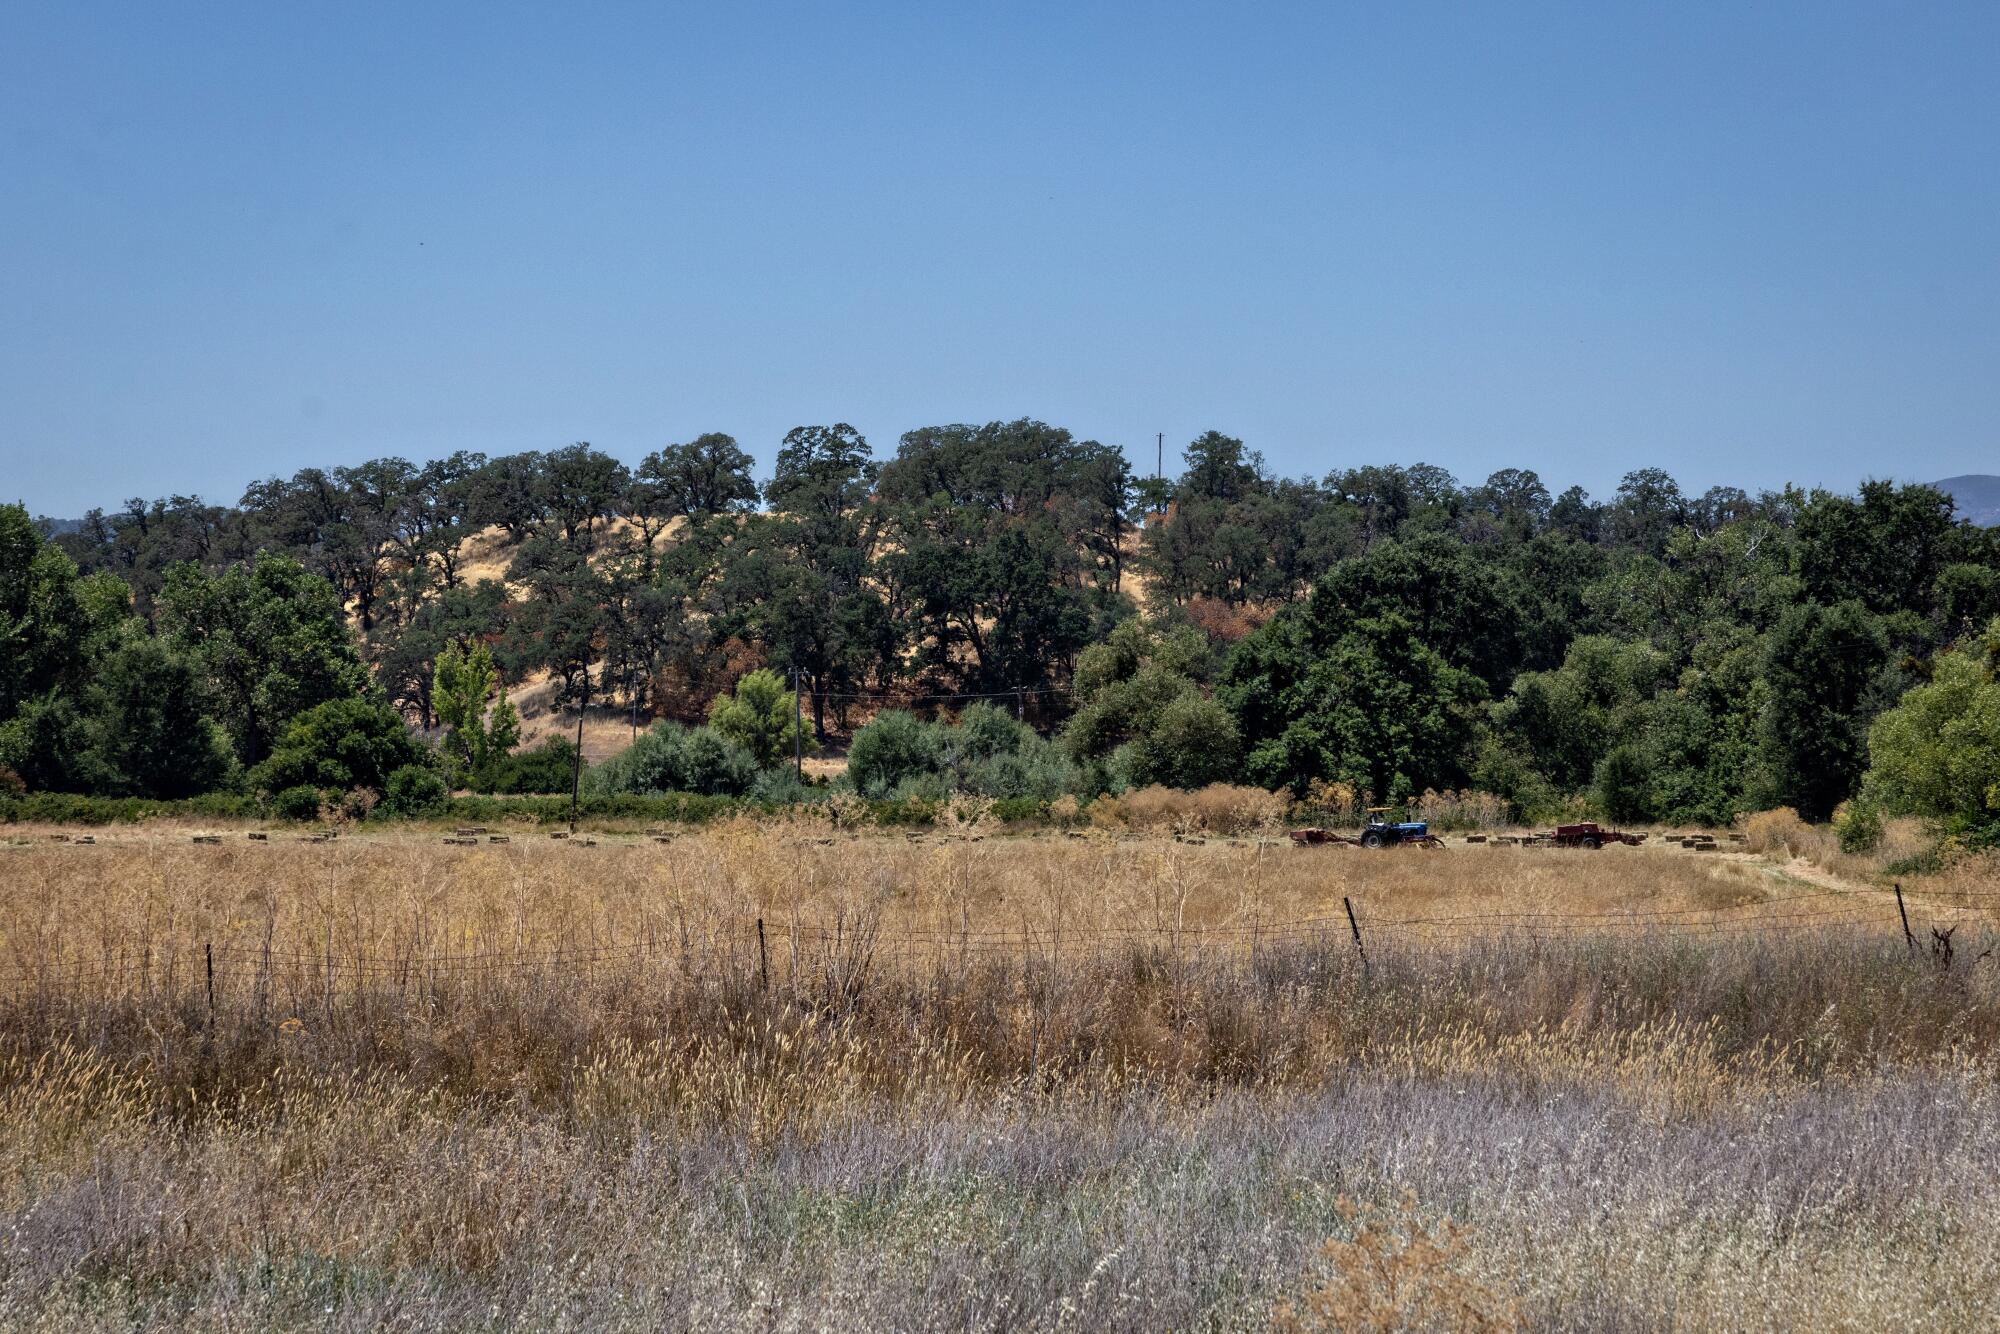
[1977, 496]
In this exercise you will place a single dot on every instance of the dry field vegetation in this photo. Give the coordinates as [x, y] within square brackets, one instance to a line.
[1051, 1082]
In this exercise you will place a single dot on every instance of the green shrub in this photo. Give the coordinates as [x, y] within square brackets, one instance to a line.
[70, 808]
[986, 730]
[548, 768]
[1018, 810]
[891, 814]
[783, 787]
[296, 803]
[1858, 825]
[1623, 785]
[670, 758]
[930, 788]
[1936, 754]
[762, 718]
[889, 751]
[666, 808]
[1036, 768]
[1191, 742]
[414, 791]
[341, 745]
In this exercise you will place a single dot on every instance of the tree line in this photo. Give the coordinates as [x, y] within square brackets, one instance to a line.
[1651, 655]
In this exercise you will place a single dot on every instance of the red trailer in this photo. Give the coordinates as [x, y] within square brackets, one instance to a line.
[1588, 834]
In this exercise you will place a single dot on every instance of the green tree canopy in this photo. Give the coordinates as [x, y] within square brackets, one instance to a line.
[43, 621]
[269, 640]
[1141, 698]
[760, 717]
[465, 680]
[339, 745]
[149, 734]
[1936, 754]
[1377, 707]
[1819, 666]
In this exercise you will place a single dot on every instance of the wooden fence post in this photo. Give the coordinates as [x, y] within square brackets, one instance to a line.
[763, 956]
[1902, 912]
[1355, 927]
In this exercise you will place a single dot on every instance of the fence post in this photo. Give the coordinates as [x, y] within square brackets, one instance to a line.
[763, 957]
[1902, 912]
[1355, 927]
[208, 954]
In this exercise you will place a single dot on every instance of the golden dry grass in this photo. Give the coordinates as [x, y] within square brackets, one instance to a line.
[1049, 1082]
[402, 896]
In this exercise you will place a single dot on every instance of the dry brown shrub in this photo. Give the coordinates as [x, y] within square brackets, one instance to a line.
[963, 813]
[1779, 832]
[1903, 839]
[1219, 808]
[1105, 812]
[351, 808]
[1465, 809]
[1224, 622]
[1398, 1272]
[1334, 800]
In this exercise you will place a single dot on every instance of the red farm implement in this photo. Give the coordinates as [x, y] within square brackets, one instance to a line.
[1588, 834]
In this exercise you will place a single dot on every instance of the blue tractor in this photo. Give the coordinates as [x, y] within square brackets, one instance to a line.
[1381, 832]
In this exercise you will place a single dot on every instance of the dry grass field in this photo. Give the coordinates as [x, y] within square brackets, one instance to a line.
[1005, 1083]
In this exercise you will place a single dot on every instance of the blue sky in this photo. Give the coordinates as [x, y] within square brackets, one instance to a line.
[1749, 244]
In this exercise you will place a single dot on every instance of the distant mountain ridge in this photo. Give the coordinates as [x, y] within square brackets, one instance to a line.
[1977, 496]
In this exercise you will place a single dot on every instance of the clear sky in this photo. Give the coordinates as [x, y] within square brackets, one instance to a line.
[1750, 243]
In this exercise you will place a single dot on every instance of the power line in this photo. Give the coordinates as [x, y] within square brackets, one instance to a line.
[963, 694]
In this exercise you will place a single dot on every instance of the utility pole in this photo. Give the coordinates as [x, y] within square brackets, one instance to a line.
[798, 730]
[1159, 453]
[576, 761]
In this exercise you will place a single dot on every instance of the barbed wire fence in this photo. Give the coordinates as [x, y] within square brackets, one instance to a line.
[1924, 923]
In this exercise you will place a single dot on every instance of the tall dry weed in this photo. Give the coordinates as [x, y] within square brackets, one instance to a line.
[1220, 808]
[1397, 1271]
